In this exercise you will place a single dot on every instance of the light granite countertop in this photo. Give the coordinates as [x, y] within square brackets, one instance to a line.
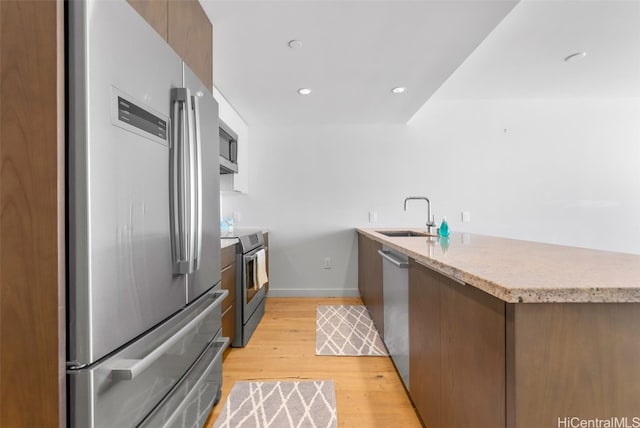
[228, 242]
[522, 271]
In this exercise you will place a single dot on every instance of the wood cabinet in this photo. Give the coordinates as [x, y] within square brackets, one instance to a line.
[457, 352]
[370, 279]
[478, 361]
[424, 345]
[32, 219]
[156, 13]
[186, 27]
[191, 35]
[569, 360]
[228, 272]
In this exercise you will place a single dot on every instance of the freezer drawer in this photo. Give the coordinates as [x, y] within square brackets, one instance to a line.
[121, 390]
[190, 403]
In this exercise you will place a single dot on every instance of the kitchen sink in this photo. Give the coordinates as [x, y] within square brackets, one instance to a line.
[404, 233]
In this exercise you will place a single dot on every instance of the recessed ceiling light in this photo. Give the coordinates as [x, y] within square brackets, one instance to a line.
[295, 44]
[398, 89]
[575, 56]
[304, 91]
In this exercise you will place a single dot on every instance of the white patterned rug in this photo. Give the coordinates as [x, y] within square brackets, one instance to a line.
[347, 330]
[301, 404]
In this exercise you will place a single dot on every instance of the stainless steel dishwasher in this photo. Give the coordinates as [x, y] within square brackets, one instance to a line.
[395, 291]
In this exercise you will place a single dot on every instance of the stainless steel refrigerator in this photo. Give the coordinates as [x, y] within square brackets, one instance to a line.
[144, 296]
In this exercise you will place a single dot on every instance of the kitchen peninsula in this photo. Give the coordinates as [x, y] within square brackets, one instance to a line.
[516, 334]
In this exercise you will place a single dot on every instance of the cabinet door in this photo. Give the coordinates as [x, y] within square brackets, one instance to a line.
[155, 12]
[191, 35]
[456, 352]
[227, 256]
[186, 27]
[577, 359]
[228, 274]
[424, 343]
[229, 283]
[229, 304]
[473, 374]
[370, 279]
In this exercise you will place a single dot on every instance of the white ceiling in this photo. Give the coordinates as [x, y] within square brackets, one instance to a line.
[524, 56]
[355, 51]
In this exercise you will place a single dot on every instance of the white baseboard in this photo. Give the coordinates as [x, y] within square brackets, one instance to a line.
[306, 292]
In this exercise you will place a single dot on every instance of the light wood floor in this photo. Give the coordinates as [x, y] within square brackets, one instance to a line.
[369, 392]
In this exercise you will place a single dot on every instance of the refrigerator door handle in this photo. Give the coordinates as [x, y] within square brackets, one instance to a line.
[128, 369]
[179, 183]
[192, 181]
[198, 182]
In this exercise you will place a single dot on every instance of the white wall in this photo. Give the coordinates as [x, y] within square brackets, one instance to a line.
[549, 162]
[311, 187]
[566, 171]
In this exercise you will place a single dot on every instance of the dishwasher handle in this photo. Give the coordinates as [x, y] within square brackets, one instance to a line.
[389, 256]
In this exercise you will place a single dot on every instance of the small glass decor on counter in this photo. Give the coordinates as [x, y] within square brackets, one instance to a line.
[444, 228]
[226, 225]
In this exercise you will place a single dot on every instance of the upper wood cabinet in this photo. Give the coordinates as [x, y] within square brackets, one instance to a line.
[156, 13]
[186, 27]
[191, 35]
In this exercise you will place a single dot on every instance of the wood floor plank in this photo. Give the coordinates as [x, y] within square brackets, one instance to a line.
[369, 392]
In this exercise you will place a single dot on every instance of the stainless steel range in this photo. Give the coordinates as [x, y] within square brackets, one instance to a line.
[250, 284]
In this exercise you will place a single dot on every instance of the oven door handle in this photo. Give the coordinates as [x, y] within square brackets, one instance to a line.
[127, 369]
[251, 255]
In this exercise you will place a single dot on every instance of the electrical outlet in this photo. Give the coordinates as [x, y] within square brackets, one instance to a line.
[327, 262]
[373, 217]
[466, 216]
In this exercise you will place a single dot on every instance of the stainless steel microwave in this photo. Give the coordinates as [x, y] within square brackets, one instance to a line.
[228, 149]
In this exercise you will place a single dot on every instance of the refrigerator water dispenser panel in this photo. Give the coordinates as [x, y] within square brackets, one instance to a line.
[132, 115]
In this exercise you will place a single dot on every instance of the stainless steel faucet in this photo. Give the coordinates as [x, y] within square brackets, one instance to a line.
[430, 220]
